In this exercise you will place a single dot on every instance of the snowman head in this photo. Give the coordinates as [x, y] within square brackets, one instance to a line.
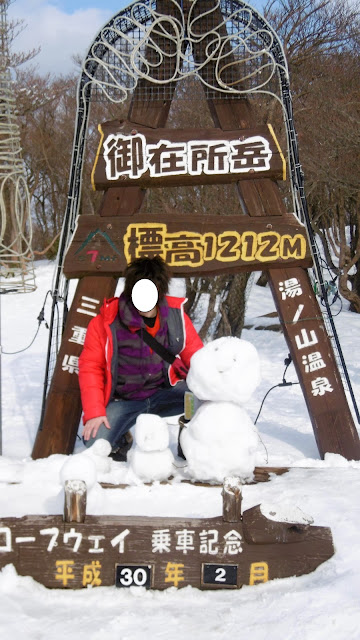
[225, 370]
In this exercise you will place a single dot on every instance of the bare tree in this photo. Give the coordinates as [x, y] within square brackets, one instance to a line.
[321, 41]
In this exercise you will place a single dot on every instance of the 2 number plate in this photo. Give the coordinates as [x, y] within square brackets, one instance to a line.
[219, 575]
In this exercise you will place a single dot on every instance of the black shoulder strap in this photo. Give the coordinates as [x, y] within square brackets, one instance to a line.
[156, 346]
[153, 344]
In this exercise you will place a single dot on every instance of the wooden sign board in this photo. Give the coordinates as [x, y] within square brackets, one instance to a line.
[188, 244]
[131, 155]
[156, 553]
[315, 364]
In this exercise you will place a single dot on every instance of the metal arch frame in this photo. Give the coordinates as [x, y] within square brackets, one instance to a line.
[84, 99]
[90, 65]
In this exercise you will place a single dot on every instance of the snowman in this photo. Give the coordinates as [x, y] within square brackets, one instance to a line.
[150, 458]
[221, 439]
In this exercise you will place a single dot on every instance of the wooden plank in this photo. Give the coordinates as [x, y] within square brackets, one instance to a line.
[118, 201]
[129, 155]
[261, 474]
[261, 198]
[188, 244]
[177, 550]
[151, 102]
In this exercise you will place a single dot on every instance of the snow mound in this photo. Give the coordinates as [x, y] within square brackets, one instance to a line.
[79, 467]
[226, 369]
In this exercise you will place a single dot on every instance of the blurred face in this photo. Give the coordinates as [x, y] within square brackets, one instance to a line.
[144, 297]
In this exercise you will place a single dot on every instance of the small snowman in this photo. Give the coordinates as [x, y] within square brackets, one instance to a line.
[221, 439]
[150, 458]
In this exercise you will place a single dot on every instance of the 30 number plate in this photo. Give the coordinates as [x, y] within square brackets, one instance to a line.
[220, 575]
[133, 575]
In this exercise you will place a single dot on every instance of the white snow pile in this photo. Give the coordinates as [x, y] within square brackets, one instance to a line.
[88, 464]
[79, 467]
[150, 457]
[221, 440]
[285, 512]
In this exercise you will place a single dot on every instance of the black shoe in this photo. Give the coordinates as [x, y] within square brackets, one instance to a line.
[119, 454]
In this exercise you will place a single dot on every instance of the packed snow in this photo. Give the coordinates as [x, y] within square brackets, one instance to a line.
[323, 605]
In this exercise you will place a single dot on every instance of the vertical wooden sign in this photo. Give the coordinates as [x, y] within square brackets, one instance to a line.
[58, 431]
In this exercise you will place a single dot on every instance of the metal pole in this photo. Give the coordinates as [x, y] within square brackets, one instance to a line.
[1, 451]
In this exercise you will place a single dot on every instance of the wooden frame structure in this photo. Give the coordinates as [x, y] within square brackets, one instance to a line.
[102, 244]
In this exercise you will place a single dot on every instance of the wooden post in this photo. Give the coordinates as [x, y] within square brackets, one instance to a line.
[232, 498]
[75, 501]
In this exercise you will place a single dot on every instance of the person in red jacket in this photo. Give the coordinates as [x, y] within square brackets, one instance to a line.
[120, 375]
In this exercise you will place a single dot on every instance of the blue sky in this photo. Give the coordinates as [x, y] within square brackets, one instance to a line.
[70, 6]
[61, 27]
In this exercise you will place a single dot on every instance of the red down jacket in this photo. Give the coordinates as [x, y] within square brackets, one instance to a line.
[98, 360]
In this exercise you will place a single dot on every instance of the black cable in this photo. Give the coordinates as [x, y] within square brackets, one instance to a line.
[284, 383]
[281, 384]
[264, 398]
[40, 319]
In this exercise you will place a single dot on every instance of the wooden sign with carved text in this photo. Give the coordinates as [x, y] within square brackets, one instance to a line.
[131, 155]
[158, 552]
[188, 244]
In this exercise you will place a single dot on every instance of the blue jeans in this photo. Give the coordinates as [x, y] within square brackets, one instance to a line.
[122, 414]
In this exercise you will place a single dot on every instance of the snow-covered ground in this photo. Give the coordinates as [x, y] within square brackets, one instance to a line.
[322, 605]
